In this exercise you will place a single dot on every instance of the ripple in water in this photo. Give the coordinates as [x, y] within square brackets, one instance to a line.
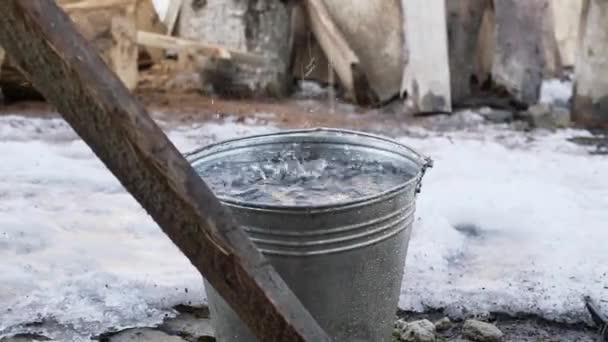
[287, 179]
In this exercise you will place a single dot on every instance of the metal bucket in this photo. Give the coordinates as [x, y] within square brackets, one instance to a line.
[344, 260]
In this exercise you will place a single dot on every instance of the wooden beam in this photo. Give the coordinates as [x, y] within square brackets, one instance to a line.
[95, 4]
[591, 70]
[427, 74]
[67, 70]
[180, 44]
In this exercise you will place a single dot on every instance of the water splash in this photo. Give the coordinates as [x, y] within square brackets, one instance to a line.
[295, 177]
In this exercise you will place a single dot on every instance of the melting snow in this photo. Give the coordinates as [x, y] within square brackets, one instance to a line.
[506, 222]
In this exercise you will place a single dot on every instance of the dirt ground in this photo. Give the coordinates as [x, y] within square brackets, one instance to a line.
[516, 329]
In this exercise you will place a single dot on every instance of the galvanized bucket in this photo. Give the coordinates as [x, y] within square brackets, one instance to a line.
[344, 260]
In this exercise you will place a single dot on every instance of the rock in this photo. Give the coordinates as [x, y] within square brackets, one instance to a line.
[496, 115]
[188, 325]
[547, 116]
[143, 335]
[561, 117]
[481, 331]
[25, 338]
[443, 324]
[417, 331]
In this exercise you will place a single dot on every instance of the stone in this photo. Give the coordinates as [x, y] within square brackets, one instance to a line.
[481, 331]
[25, 338]
[547, 116]
[188, 325]
[443, 324]
[496, 115]
[561, 117]
[143, 335]
[417, 331]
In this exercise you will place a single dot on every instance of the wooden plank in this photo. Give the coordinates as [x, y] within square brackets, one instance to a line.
[464, 28]
[68, 71]
[591, 71]
[2, 55]
[374, 31]
[309, 61]
[427, 74]
[567, 15]
[122, 55]
[181, 44]
[172, 14]
[95, 4]
[112, 29]
[521, 55]
[484, 53]
[147, 20]
[339, 53]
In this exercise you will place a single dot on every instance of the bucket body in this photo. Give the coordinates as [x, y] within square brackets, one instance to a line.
[343, 260]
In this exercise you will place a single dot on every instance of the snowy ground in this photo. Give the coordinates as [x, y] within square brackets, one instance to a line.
[529, 208]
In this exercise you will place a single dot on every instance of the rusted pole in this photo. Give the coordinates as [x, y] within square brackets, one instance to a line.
[64, 67]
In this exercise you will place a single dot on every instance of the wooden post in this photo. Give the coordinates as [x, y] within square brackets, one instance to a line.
[44, 43]
[427, 73]
[464, 28]
[591, 70]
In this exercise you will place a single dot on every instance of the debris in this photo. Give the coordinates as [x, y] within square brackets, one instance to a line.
[598, 318]
[417, 331]
[443, 324]
[481, 331]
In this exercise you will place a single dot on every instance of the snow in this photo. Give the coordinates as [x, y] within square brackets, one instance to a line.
[556, 91]
[75, 247]
[161, 7]
[537, 215]
[80, 254]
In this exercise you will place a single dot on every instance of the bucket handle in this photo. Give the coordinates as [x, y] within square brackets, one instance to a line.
[427, 163]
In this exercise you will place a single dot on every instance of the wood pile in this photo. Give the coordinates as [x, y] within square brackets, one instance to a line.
[128, 34]
[431, 55]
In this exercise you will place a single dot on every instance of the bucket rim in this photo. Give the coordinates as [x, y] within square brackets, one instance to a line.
[424, 162]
